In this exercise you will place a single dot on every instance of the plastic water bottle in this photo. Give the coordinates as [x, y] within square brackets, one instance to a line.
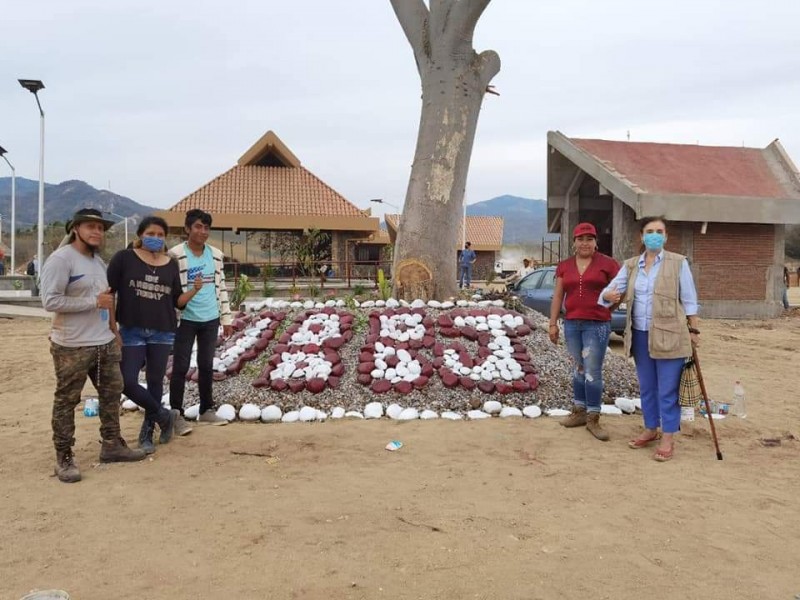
[91, 407]
[739, 408]
[104, 314]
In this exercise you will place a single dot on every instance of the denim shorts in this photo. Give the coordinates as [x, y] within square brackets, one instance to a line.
[141, 336]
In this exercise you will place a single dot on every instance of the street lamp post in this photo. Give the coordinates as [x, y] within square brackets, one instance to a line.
[33, 86]
[13, 210]
[113, 214]
[389, 204]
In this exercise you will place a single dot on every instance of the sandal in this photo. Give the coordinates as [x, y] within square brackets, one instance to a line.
[663, 455]
[639, 442]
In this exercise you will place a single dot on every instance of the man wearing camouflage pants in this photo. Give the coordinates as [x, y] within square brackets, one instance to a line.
[83, 341]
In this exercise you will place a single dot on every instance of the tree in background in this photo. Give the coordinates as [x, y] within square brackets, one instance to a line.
[454, 80]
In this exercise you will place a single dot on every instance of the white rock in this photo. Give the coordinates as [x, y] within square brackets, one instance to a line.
[475, 376]
[307, 413]
[478, 414]
[330, 303]
[337, 413]
[610, 409]
[271, 413]
[487, 375]
[392, 303]
[353, 414]
[380, 303]
[377, 373]
[403, 356]
[390, 374]
[129, 404]
[434, 304]
[626, 405]
[498, 303]
[319, 305]
[492, 407]
[249, 412]
[291, 417]
[408, 414]
[373, 410]
[308, 304]
[368, 304]
[393, 411]
[418, 303]
[510, 411]
[557, 412]
[379, 347]
[227, 412]
[192, 412]
[414, 368]
[506, 374]
[532, 411]
[321, 415]
[451, 416]
[459, 322]
[447, 304]
[428, 415]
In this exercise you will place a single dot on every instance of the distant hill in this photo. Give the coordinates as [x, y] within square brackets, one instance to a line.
[525, 219]
[62, 200]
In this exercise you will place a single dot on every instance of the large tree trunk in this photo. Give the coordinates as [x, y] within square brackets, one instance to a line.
[454, 80]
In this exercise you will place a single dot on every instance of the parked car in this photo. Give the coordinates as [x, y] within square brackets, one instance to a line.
[535, 291]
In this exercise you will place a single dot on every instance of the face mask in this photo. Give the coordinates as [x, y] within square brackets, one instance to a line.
[152, 243]
[654, 241]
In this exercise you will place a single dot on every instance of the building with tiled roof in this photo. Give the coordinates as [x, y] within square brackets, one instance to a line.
[727, 208]
[269, 190]
[484, 233]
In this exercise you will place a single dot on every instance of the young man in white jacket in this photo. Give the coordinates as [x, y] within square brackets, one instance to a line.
[200, 319]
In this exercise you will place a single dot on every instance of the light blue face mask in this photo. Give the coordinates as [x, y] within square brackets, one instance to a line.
[653, 241]
[152, 243]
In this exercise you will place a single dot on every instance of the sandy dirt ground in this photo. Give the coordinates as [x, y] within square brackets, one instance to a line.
[507, 509]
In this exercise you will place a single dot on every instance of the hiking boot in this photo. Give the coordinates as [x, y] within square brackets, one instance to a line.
[181, 427]
[146, 436]
[211, 418]
[594, 427]
[167, 426]
[66, 469]
[576, 418]
[117, 451]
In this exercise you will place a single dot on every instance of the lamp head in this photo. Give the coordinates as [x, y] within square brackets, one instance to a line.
[32, 85]
[2, 151]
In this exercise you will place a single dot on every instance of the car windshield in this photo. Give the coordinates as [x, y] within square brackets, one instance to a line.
[531, 282]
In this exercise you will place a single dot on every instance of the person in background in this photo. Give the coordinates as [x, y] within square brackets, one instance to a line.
[661, 330]
[466, 259]
[785, 287]
[148, 288]
[587, 325]
[201, 318]
[527, 267]
[83, 341]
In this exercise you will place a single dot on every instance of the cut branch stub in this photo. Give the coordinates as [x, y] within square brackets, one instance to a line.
[413, 279]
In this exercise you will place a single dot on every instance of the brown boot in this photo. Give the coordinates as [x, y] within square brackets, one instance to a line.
[117, 451]
[576, 419]
[66, 469]
[594, 427]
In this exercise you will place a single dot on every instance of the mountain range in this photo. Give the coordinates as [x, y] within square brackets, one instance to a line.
[524, 218]
[62, 200]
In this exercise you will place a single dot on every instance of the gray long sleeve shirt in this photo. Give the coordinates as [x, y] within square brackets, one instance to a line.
[70, 283]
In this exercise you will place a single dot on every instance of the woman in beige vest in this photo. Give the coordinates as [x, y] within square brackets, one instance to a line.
[661, 298]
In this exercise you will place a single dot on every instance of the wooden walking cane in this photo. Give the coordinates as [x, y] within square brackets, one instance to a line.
[705, 399]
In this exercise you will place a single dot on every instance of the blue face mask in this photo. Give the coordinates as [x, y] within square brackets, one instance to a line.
[653, 241]
[152, 243]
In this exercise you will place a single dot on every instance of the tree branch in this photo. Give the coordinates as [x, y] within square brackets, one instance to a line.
[488, 63]
[465, 17]
[413, 16]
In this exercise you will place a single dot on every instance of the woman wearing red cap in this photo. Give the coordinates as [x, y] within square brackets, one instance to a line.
[579, 281]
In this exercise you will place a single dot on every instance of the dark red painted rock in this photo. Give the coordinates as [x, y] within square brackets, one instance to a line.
[337, 370]
[449, 332]
[449, 379]
[248, 355]
[392, 360]
[217, 376]
[334, 381]
[346, 336]
[334, 343]
[311, 348]
[487, 387]
[285, 338]
[470, 333]
[260, 382]
[297, 385]
[428, 341]
[280, 348]
[521, 386]
[467, 360]
[261, 344]
[519, 348]
[437, 362]
[365, 367]
[523, 330]
[483, 352]
[415, 344]
[403, 387]
[332, 357]
[315, 327]
[315, 385]
[445, 321]
[532, 380]
[438, 349]
[420, 382]
[484, 338]
[364, 378]
[279, 385]
[467, 383]
[267, 334]
[521, 357]
[381, 386]
[365, 357]
[528, 368]
[503, 388]
[428, 322]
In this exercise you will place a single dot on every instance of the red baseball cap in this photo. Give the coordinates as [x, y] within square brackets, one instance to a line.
[584, 229]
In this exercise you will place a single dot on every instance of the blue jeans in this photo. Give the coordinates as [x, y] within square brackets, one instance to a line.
[464, 274]
[150, 349]
[659, 384]
[587, 342]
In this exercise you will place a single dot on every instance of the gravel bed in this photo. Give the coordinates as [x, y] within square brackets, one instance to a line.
[551, 361]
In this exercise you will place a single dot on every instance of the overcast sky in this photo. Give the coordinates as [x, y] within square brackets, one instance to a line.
[157, 98]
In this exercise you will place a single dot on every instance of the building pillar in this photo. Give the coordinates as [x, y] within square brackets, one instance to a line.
[624, 230]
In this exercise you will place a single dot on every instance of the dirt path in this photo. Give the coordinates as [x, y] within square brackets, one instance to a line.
[498, 509]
